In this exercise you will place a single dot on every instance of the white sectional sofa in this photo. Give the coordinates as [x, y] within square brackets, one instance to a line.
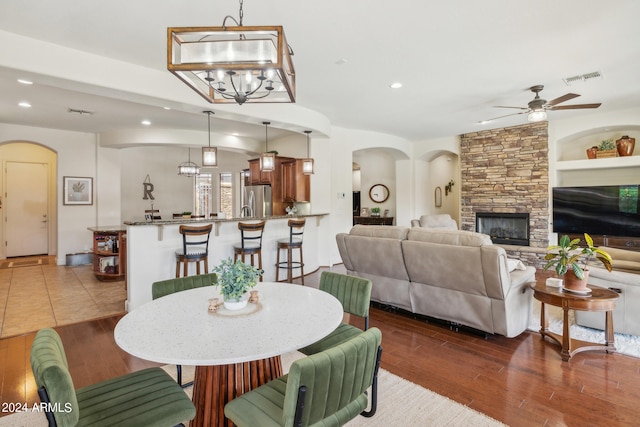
[453, 275]
[624, 279]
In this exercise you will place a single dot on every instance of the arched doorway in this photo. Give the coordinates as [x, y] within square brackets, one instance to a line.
[28, 200]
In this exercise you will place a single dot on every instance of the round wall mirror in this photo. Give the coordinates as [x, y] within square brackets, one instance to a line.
[379, 193]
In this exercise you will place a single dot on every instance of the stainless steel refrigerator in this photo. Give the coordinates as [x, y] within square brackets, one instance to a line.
[256, 201]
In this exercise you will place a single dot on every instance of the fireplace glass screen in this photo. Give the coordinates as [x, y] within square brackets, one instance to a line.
[504, 228]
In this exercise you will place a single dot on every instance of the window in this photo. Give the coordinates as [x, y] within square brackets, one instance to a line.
[204, 197]
[226, 194]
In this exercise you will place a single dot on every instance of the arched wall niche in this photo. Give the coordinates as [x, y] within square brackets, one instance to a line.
[436, 169]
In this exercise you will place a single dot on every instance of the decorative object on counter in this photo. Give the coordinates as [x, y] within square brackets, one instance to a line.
[209, 153]
[188, 168]
[607, 148]
[448, 188]
[375, 211]
[438, 197]
[566, 256]
[625, 146]
[233, 64]
[235, 279]
[268, 158]
[307, 164]
[364, 212]
[77, 190]
[147, 188]
[379, 193]
[291, 210]
[186, 214]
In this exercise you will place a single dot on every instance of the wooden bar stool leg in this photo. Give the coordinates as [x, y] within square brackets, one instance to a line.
[289, 264]
[278, 265]
[177, 269]
[259, 262]
[186, 268]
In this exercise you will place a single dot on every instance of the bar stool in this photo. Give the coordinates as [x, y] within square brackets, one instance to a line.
[296, 228]
[250, 242]
[195, 248]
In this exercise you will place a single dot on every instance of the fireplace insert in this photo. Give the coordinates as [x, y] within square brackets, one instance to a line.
[504, 228]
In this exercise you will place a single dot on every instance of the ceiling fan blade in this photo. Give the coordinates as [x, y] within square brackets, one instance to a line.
[563, 98]
[502, 106]
[507, 115]
[574, 107]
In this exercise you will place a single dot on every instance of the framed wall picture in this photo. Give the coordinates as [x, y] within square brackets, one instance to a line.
[438, 197]
[77, 190]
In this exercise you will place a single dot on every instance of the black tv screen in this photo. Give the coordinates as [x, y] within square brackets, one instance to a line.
[609, 210]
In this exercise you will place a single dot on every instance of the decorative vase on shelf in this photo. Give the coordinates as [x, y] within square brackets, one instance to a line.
[592, 152]
[625, 146]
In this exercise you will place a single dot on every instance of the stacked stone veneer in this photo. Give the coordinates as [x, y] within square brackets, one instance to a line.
[507, 170]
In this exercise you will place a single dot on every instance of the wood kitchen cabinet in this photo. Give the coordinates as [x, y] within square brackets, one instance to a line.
[257, 177]
[295, 184]
[109, 253]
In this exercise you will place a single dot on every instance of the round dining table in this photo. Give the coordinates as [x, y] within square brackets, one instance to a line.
[233, 351]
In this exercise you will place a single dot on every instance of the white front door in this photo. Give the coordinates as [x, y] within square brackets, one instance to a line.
[26, 213]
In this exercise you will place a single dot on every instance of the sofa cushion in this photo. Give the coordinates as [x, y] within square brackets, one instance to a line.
[438, 221]
[449, 237]
[384, 231]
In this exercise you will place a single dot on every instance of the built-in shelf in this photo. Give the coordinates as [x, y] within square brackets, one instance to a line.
[608, 163]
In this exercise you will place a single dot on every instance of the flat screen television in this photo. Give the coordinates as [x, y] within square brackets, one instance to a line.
[612, 210]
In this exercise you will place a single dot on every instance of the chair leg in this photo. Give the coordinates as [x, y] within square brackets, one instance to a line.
[259, 262]
[198, 267]
[301, 267]
[206, 265]
[186, 268]
[289, 265]
[177, 269]
[278, 264]
[374, 388]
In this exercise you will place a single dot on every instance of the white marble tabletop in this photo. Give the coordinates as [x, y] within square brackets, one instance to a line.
[179, 329]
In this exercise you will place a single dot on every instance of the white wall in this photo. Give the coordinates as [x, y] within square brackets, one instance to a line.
[76, 157]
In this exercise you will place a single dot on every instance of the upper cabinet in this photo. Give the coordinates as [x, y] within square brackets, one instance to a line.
[295, 184]
[257, 177]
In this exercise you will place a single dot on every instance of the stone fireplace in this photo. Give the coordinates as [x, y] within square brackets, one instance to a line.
[506, 170]
[504, 228]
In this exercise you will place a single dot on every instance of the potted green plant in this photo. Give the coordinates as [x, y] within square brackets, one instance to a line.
[570, 260]
[235, 279]
[375, 211]
[607, 148]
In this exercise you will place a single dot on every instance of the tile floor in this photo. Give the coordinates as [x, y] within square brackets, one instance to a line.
[38, 296]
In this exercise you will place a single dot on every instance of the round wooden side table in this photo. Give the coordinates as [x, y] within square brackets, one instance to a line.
[599, 299]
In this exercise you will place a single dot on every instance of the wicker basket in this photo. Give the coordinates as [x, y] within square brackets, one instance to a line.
[606, 153]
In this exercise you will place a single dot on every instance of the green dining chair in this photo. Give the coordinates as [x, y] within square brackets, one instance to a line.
[149, 397]
[324, 389]
[170, 286]
[354, 293]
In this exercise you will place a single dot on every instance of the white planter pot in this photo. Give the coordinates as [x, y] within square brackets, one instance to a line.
[236, 305]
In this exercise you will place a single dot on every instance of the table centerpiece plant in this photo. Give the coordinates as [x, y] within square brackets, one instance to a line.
[570, 260]
[235, 279]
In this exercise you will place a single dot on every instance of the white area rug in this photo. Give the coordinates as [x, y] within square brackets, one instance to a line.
[400, 403]
[625, 344]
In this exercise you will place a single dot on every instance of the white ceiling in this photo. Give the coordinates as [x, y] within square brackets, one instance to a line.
[456, 60]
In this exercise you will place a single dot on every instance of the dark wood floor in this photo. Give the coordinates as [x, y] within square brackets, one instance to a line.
[521, 381]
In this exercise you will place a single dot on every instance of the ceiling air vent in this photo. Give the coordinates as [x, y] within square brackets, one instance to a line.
[582, 78]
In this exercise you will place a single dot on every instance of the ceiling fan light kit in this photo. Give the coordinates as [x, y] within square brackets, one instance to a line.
[537, 108]
[233, 64]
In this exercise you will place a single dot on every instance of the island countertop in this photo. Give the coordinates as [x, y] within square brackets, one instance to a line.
[214, 219]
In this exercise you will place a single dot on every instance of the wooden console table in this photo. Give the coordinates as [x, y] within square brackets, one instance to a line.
[373, 220]
[600, 299]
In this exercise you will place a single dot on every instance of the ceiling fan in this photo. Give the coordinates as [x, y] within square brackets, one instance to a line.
[538, 107]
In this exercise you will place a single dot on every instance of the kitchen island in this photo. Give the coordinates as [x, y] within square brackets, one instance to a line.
[151, 247]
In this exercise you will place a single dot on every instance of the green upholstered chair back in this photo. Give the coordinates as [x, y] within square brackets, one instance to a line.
[166, 287]
[334, 380]
[353, 292]
[51, 371]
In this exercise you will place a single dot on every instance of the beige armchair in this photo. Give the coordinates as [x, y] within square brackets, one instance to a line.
[442, 221]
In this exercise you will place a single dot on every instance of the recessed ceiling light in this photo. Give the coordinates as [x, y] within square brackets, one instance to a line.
[341, 61]
[395, 85]
[146, 122]
[25, 82]
[484, 122]
[167, 108]
[24, 104]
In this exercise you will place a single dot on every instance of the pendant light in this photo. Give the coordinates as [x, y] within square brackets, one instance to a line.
[307, 164]
[188, 168]
[209, 153]
[267, 159]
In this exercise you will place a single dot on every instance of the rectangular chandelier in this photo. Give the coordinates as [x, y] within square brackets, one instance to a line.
[233, 64]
